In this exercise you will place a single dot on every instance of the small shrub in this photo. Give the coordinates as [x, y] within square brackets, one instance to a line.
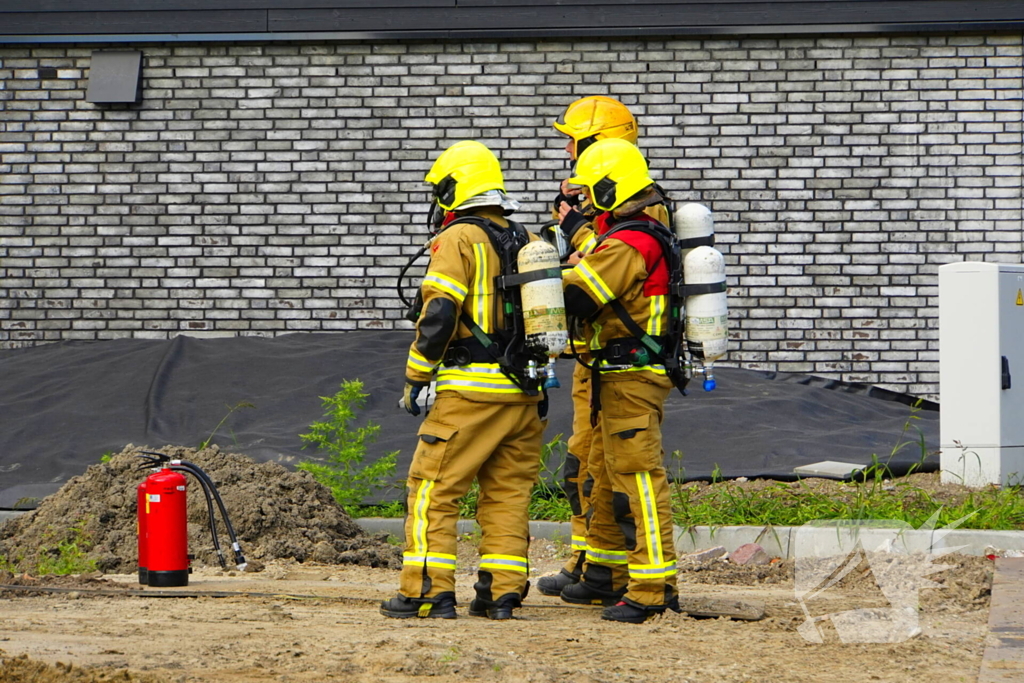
[344, 471]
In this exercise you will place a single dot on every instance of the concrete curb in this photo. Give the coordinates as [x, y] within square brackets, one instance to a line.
[9, 514]
[780, 541]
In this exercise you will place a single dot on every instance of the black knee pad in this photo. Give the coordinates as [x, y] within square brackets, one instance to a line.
[624, 518]
[570, 473]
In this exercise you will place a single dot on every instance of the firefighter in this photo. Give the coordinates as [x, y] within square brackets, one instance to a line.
[485, 422]
[630, 564]
[585, 121]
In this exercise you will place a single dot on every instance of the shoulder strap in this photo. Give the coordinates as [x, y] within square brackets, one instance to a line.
[506, 241]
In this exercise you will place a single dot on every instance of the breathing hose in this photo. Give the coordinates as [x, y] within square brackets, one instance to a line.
[405, 269]
[239, 558]
[210, 514]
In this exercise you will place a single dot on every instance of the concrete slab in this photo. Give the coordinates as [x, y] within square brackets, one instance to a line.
[839, 539]
[975, 541]
[829, 469]
[1004, 647]
[774, 540]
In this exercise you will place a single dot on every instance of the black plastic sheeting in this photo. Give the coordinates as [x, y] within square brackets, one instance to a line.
[63, 405]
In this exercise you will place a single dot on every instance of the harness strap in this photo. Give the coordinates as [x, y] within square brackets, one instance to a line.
[506, 281]
[683, 291]
[637, 331]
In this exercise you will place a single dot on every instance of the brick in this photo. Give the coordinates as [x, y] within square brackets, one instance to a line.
[749, 554]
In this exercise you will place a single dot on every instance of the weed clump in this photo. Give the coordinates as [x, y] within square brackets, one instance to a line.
[344, 470]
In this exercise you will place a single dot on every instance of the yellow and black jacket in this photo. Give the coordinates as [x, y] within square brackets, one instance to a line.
[460, 280]
[628, 267]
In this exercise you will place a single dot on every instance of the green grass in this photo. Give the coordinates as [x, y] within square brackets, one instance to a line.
[875, 495]
[68, 555]
[780, 504]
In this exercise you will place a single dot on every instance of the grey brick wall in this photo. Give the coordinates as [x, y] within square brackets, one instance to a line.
[271, 189]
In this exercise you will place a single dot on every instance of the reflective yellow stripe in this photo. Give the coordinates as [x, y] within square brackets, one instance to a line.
[512, 563]
[601, 290]
[480, 283]
[652, 571]
[446, 284]
[587, 245]
[657, 311]
[579, 542]
[439, 560]
[485, 377]
[645, 487]
[419, 512]
[606, 556]
[656, 369]
[418, 362]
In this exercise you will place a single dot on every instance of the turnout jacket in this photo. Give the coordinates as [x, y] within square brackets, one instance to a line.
[460, 279]
[583, 236]
[629, 267]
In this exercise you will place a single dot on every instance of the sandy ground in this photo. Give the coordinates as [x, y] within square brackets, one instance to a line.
[341, 636]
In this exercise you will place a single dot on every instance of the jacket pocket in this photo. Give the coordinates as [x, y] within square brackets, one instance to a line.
[433, 450]
[631, 445]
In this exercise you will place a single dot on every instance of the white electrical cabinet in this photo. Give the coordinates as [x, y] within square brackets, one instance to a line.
[981, 373]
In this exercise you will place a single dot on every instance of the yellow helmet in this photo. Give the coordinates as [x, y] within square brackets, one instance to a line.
[613, 170]
[596, 118]
[464, 170]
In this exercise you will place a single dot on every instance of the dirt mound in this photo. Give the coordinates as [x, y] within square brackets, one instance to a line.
[277, 514]
[24, 670]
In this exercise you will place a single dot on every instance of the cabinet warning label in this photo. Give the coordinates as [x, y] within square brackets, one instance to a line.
[1020, 297]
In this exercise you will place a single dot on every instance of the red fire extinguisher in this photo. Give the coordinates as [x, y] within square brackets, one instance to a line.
[163, 530]
[163, 522]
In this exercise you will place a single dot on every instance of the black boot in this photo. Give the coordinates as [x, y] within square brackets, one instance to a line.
[441, 606]
[553, 585]
[498, 610]
[594, 589]
[630, 612]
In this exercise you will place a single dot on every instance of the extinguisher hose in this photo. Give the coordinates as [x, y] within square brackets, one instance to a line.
[209, 513]
[239, 557]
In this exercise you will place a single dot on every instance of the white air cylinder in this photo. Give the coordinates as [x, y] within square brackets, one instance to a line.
[707, 315]
[692, 221]
[543, 301]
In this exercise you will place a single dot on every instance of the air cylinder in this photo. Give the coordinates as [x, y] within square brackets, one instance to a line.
[707, 315]
[543, 301]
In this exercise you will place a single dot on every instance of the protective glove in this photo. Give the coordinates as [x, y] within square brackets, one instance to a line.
[572, 200]
[409, 396]
[571, 221]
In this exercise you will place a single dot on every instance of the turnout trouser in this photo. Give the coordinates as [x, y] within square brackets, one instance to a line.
[576, 481]
[461, 440]
[630, 535]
